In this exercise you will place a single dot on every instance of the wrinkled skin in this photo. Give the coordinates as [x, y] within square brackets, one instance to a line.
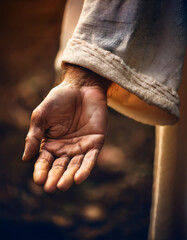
[68, 130]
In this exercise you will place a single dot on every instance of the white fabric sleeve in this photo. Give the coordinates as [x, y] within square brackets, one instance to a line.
[137, 44]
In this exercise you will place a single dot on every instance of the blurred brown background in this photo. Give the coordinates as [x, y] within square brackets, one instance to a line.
[114, 203]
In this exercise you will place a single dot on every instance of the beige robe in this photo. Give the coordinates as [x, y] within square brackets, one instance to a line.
[169, 205]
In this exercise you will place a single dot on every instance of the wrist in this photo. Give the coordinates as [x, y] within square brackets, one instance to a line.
[77, 76]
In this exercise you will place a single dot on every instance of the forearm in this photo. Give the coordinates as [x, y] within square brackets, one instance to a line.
[77, 76]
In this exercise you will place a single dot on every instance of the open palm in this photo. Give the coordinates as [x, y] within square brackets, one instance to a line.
[69, 128]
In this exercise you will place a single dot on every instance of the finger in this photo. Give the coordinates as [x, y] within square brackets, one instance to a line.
[42, 166]
[87, 165]
[58, 168]
[34, 137]
[67, 178]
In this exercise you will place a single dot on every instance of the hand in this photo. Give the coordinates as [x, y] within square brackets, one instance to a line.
[68, 129]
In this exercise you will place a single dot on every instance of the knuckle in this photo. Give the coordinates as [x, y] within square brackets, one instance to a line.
[86, 169]
[42, 161]
[41, 165]
[29, 137]
[76, 162]
[73, 165]
[58, 166]
[36, 115]
[60, 163]
[34, 133]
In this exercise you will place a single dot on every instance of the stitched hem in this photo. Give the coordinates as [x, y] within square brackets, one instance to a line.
[112, 67]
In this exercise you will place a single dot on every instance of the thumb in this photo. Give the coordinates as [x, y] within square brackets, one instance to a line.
[34, 137]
